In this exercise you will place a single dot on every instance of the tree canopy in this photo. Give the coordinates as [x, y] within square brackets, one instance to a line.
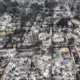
[63, 22]
[50, 4]
[14, 4]
[24, 18]
[7, 1]
[36, 7]
[2, 7]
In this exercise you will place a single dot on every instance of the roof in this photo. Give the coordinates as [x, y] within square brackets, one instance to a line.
[74, 21]
[78, 50]
[3, 52]
[24, 54]
[64, 50]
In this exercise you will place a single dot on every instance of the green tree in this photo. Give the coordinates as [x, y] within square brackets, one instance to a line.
[14, 4]
[77, 16]
[36, 7]
[7, 1]
[2, 7]
[63, 22]
[24, 18]
[50, 4]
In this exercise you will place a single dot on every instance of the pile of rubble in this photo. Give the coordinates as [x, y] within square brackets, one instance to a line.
[3, 64]
[17, 69]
